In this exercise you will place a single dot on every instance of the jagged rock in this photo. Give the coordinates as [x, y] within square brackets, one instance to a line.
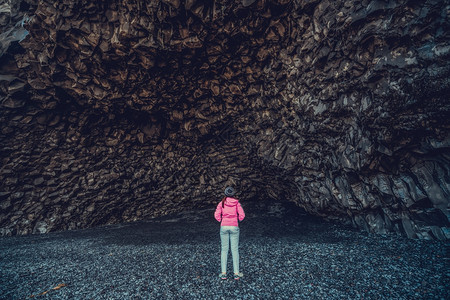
[116, 112]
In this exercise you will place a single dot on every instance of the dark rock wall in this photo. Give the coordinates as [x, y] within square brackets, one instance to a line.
[115, 111]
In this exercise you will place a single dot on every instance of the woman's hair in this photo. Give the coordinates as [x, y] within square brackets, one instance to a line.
[223, 201]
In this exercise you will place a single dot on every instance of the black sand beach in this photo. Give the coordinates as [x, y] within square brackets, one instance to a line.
[285, 254]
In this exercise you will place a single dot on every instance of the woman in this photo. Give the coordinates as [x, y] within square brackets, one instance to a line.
[228, 211]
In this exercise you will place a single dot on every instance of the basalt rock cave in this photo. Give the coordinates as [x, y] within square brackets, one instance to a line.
[117, 111]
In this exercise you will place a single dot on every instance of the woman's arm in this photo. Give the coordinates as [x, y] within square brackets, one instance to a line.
[241, 212]
[218, 213]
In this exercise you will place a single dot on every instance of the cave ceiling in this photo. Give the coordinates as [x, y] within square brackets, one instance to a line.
[116, 111]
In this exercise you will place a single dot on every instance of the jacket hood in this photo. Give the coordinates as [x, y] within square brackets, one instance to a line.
[231, 201]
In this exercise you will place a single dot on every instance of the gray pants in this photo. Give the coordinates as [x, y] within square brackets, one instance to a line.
[229, 234]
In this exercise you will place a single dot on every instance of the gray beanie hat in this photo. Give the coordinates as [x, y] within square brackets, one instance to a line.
[229, 191]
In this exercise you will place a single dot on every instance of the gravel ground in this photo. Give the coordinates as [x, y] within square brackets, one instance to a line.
[285, 254]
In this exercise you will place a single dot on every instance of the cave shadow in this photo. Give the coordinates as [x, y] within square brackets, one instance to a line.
[274, 221]
[278, 221]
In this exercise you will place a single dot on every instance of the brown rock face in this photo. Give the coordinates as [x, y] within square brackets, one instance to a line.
[115, 111]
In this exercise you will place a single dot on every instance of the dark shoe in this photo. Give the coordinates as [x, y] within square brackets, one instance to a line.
[223, 276]
[238, 276]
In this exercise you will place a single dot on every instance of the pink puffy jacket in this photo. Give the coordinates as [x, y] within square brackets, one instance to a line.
[230, 213]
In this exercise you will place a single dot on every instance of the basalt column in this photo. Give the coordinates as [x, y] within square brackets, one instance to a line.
[115, 111]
